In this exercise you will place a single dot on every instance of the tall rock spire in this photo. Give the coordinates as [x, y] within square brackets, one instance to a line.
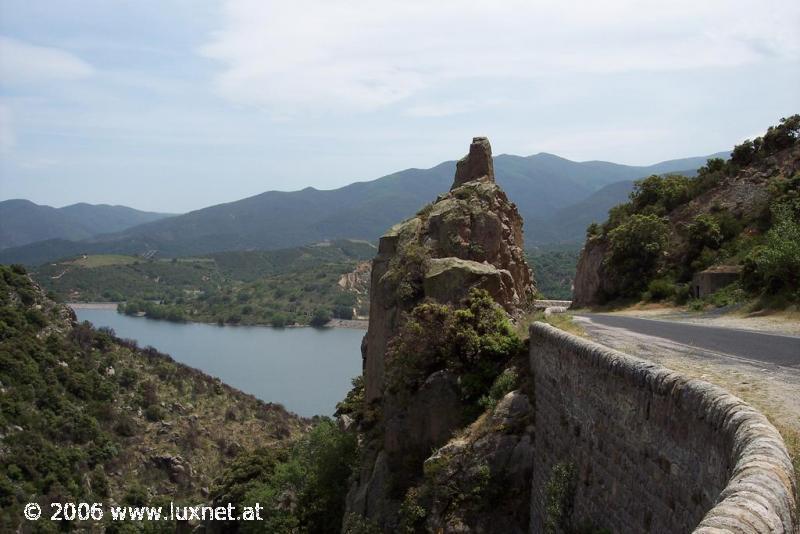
[470, 237]
[477, 165]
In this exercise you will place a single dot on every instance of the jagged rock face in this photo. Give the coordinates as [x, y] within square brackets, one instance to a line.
[470, 237]
[498, 447]
[591, 281]
[476, 165]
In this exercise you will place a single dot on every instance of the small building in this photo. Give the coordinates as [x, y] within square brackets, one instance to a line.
[714, 278]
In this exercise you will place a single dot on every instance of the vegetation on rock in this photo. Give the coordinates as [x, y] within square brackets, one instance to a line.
[474, 341]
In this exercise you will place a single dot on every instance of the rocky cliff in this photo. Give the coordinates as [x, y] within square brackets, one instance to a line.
[469, 237]
[427, 270]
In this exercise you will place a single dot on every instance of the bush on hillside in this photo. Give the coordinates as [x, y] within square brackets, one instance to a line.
[301, 489]
[660, 289]
[777, 138]
[321, 317]
[660, 193]
[775, 266]
[636, 250]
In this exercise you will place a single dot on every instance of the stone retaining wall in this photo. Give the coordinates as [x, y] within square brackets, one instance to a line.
[540, 304]
[652, 450]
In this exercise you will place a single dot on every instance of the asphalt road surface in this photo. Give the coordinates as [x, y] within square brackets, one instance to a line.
[768, 348]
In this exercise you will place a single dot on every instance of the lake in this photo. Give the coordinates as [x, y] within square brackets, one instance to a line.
[308, 370]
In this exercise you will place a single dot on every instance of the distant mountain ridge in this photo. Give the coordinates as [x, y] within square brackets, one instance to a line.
[23, 222]
[540, 185]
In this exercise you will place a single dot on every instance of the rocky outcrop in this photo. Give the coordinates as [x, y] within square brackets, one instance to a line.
[470, 237]
[477, 165]
[570, 436]
[357, 282]
[179, 471]
[591, 281]
[491, 462]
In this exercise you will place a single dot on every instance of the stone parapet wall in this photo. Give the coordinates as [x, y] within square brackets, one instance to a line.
[652, 450]
[542, 304]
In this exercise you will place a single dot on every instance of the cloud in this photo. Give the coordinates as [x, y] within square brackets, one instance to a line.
[448, 108]
[7, 138]
[23, 63]
[313, 55]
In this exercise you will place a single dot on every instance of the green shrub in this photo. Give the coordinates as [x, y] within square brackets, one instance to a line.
[279, 320]
[775, 266]
[412, 513]
[636, 249]
[407, 271]
[321, 317]
[744, 153]
[727, 296]
[353, 403]
[660, 193]
[705, 259]
[154, 413]
[682, 294]
[593, 230]
[313, 475]
[341, 311]
[356, 524]
[475, 342]
[704, 231]
[696, 305]
[660, 289]
[559, 494]
[505, 382]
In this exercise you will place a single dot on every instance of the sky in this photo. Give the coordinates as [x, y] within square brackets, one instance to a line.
[174, 105]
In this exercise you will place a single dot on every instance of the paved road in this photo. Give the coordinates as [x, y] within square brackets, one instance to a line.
[769, 348]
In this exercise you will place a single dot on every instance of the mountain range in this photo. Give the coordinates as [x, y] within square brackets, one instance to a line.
[23, 222]
[557, 198]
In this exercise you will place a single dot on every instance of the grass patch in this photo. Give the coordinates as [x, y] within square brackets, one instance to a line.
[791, 437]
[102, 260]
[563, 321]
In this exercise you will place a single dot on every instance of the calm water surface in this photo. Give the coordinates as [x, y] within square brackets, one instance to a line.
[308, 370]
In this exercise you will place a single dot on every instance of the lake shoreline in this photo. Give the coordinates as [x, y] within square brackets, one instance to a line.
[356, 324]
[92, 305]
[307, 370]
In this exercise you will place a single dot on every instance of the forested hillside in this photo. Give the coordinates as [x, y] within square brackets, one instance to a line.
[740, 214]
[23, 222]
[88, 417]
[280, 287]
[540, 185]
[554, 268]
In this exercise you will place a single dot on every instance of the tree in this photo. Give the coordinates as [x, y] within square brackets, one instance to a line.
[783, 135]
[664, 193]
[743, 154]
[636, 248]
[703, 231]
[775, 266]
[321, 317]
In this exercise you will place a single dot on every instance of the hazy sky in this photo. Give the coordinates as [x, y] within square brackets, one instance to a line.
[175, 105]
